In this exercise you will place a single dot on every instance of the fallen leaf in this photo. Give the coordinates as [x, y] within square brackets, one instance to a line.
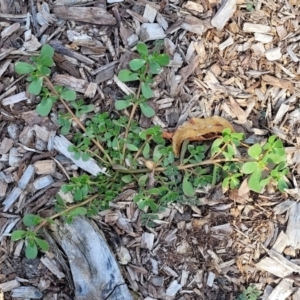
[199, 130]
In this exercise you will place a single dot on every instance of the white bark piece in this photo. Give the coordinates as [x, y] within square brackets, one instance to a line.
[191, 5]
[162, 21]
[87, 266]
[283, 109]
[250, 27]
[14, 157]
[150, 13]
[281, 243]
[41, 132]
[6, 145]
[195, 25]
[292, 54]
[264, 38]
[224, 13]
[27, 292]
[8, 31]
[52, 267]
[11, 198]
[26, 177]
[43, 182]
[283, 290]
[173, 288]
[293, 227]
[147, 240]
[210, 279]
[151, 32]
[9, 285]
[14, 99]
[226, 43]
[3, 188]
[73, 83]
[61, 144]
[273, 54]
[45, 167]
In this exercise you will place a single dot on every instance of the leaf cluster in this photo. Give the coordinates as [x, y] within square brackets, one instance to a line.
[251, 293]
[32, 241]
[142, 69]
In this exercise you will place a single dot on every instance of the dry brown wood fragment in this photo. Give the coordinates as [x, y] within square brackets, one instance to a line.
[51, 265]
[79, 85]
[9, 285]
[278, 82]
[195, 25]
[26, 292]
[94, 15]
[61, 48]
[44, 167]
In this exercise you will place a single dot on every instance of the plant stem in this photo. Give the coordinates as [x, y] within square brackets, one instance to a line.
[50, 85]
[134, 107]
[184, 167]
[45, 222]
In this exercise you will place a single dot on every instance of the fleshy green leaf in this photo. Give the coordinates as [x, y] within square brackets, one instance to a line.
[132, 147]
[77, 192]
[155, 68]
[146, 151]
[255, 151]
[42, 244]
[47, 61]
[157, 153]
[126, 76]
[282, 185]
[249, 167]
[35, 86]
[122, 104]
[254, 181]
[127, 178]
[31, 220]
[142, 49]
[65, 129]
[78, 211]
[85, 156]
[68, 95]
[187, 187]
[162, 59]
[44, 107]
[45, 71]
[24, 68]
[147, 110]
[18, 234]
[136, 64]
[146, 90]
[47, 50]
[31, 250]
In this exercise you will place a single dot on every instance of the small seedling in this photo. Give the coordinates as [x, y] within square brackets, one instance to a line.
[251, 293]
[142, 69]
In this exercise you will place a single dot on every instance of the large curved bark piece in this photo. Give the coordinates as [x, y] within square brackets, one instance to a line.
[95, 272]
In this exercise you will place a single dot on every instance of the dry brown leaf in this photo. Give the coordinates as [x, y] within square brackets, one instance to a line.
[199, 130]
